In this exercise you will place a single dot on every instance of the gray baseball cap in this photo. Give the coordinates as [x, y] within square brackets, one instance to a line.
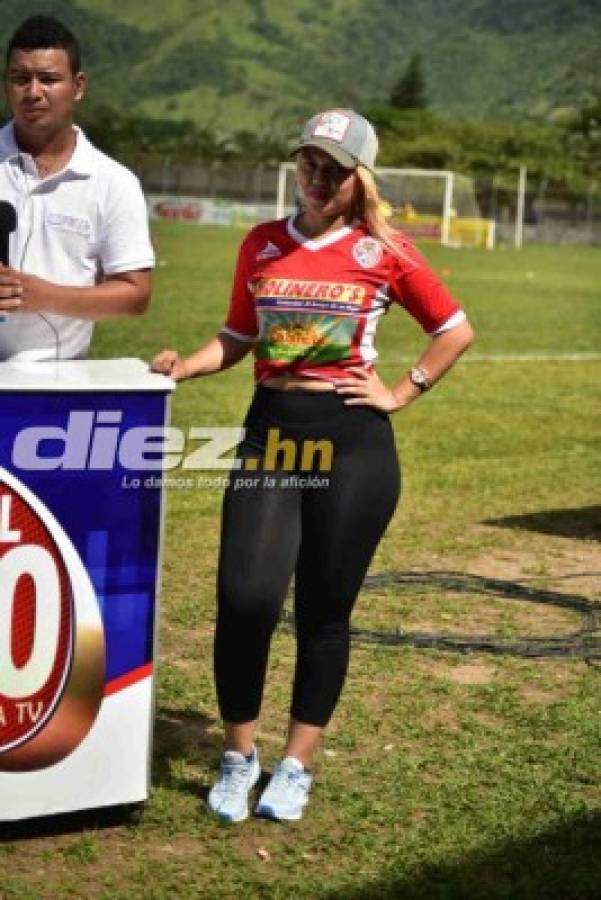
[344, 135]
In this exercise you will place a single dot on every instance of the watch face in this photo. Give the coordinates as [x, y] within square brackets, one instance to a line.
[419, 379]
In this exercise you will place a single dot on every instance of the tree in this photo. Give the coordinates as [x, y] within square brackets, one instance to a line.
[410, 90]
[583, 139]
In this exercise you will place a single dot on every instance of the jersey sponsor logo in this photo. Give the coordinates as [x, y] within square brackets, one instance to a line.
[51, 639]
[269, 251]
[368, 252]
[316, 339]
[289, 289]
[296, 334]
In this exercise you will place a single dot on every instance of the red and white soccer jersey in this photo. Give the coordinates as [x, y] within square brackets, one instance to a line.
[311, 307]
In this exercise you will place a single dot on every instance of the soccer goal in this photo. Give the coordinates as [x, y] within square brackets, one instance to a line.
[424, 203]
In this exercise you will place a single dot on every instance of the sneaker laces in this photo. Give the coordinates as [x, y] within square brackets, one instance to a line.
[284, 778]
[233, 777]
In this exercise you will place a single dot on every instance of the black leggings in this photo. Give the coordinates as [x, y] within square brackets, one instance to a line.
[323, 526]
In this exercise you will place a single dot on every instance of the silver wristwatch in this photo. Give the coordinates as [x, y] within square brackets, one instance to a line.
[419, 378]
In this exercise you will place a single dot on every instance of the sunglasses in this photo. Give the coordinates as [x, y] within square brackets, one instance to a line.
[311, 165]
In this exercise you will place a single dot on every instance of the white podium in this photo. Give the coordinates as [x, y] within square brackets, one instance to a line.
[81, 508]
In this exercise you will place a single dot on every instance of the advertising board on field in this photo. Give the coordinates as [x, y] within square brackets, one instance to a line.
[208, 210]
[79, 569]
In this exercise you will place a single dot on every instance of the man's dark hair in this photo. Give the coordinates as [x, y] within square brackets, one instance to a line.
[45, 33]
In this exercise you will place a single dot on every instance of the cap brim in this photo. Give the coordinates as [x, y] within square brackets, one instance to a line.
[341, 156]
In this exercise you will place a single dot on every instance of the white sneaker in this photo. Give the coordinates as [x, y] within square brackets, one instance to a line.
[287, 793]
[228, 798]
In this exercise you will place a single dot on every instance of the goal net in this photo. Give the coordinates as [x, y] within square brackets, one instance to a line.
[424, 203]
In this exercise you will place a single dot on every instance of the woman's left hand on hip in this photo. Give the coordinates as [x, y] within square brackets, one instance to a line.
[366, 388]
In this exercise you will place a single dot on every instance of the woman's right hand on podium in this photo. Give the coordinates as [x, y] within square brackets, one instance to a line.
[170, 363]
[218, 354]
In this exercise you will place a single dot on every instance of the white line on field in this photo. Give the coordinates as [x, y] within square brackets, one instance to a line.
[517, 357]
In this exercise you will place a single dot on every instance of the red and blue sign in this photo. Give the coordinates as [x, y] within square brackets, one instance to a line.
[79, 566]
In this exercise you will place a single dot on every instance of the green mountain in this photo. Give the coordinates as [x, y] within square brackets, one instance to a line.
[264, 64]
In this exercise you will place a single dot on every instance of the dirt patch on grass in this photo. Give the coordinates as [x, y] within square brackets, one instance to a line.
[421, 601]
[444, 716]
[539, 696]
[557, 563]
[472, 673]
[488, 720]
[483, 614]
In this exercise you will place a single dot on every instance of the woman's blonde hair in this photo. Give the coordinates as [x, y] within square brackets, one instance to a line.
[369, 209]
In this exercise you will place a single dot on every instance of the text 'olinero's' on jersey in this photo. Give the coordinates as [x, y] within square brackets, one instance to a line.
[311, 307]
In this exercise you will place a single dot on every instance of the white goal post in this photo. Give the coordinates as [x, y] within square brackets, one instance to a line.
[426, 203]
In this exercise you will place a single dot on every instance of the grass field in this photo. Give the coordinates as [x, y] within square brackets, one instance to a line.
[444, 775]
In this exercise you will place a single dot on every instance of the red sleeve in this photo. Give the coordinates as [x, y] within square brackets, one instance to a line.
[420, 291]
[241, 320]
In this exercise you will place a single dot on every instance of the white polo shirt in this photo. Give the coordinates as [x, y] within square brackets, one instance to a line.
[73, 227]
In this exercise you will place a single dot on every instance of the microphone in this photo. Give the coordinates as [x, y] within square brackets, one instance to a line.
[8, 224]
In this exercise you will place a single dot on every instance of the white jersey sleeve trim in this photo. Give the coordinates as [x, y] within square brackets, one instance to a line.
[456, 319]
[246, 338]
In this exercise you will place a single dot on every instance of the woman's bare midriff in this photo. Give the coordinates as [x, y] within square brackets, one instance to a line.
[297, 383]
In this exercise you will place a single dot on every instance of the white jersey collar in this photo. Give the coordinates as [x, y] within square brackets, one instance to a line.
[316, 243]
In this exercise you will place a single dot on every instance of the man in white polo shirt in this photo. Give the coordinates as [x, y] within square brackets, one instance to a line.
[81, 249]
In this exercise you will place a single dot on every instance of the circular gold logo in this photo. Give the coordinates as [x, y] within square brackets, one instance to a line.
[52, 654]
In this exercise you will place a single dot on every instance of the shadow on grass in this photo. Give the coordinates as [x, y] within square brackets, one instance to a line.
[188, 736]
[71, 823]
[191, 737]
[562, 863]
[583, 523]
[178, 735]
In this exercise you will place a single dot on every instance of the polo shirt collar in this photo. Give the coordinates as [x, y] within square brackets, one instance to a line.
[81, 162]
[8, 143]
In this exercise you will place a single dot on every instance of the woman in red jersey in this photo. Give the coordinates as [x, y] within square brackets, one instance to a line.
[307, 296]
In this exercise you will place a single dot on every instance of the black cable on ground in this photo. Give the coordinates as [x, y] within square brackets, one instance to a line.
[584, 643]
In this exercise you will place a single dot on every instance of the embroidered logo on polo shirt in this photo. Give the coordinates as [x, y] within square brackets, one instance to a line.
[269, 251]
[72, 224]
[367, 252]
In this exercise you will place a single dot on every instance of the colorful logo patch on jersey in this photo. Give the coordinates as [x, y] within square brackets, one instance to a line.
[296, 334]
[287, 338]
[368, 252]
